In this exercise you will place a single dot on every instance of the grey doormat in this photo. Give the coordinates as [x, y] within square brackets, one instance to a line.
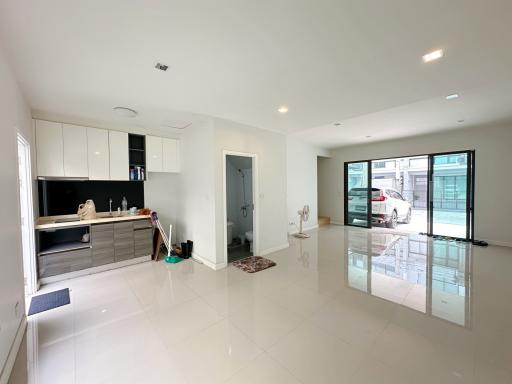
[253, 264]
[49, 301]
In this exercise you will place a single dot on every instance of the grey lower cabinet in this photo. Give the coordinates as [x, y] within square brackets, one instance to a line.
[123, 241]
[143, 237]
[143, 242]
[109, 243]
[102, 240]
[64, 262]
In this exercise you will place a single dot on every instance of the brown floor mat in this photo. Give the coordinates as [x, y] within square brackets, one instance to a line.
[253, 264]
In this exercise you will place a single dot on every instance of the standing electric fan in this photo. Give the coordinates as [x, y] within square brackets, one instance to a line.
[304, 216]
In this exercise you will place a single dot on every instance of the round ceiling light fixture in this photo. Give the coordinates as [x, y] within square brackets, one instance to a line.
[283, 109]
[337, 124]
[125, 112]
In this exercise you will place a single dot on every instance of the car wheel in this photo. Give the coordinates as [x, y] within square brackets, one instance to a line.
[408, 217]
[393, 221]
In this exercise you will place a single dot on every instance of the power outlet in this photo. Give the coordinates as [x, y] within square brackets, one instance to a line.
[291, 223]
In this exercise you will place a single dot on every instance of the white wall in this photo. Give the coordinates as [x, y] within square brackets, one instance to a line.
[195, 214]
[14, 116]
[327, 194]
[493, 182]
[301, 165]
[161, 194]
[271, 201]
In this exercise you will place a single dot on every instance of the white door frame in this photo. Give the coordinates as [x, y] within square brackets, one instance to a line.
[27, 230]
[255, 201]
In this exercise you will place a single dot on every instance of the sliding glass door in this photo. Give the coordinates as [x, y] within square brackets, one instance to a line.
[450, 196]
[445, 180]
[358, 194]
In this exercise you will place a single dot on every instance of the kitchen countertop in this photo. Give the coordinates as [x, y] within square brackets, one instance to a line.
[49, 222]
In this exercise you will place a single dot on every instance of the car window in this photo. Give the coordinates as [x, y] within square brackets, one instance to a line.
[399, 196]
[363, 192]
[394, 194]
[375, 192]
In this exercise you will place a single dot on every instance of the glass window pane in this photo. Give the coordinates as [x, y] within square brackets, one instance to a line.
[357, 195]
[449, 195]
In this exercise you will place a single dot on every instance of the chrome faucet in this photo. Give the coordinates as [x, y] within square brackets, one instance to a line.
[110, 205]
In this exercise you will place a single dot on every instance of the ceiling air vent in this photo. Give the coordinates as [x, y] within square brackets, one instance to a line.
[176, 124]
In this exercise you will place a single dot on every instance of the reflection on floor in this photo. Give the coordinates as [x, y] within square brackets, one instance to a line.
[237, 252]
[404, 270]
[347, 305]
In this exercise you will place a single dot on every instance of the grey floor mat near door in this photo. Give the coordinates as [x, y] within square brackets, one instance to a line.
[49, 301]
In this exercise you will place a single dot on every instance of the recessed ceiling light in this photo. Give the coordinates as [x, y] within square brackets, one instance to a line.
[283, 109]
[434, 55]
[125, 112]
[452, 96]
[368, 136]
[162, 67]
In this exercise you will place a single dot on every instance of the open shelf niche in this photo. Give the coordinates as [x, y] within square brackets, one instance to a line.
[137, 157]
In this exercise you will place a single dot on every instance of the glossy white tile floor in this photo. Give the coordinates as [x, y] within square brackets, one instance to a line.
[345, 306]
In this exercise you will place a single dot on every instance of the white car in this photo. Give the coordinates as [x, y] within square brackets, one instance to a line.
[388, 206]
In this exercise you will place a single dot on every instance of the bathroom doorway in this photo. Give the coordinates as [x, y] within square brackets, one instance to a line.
[240, 213]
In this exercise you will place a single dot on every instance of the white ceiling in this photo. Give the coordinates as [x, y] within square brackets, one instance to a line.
[358, 62]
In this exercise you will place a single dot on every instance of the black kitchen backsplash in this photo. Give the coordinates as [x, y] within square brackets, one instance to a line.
[59, 197]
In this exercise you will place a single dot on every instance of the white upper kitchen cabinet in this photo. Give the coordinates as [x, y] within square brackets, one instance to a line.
[75, 151]
[98, 154]
[119, 159]
[171, 155]
[154, 154]
[49, 149]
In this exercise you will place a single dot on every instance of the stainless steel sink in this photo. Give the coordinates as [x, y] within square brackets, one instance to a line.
[109, 215]
[67, 220]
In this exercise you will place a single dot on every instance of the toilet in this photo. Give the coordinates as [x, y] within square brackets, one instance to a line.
[249, 237]
[229, 232]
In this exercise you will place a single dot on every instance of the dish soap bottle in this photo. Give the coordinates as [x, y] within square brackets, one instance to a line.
[124, 204]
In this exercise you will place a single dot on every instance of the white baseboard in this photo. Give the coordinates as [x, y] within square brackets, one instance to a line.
[90, 271]
[273, 249]
[304, 229]
[498, 243]
[13, 352]
[208, 263]
[337, 222]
